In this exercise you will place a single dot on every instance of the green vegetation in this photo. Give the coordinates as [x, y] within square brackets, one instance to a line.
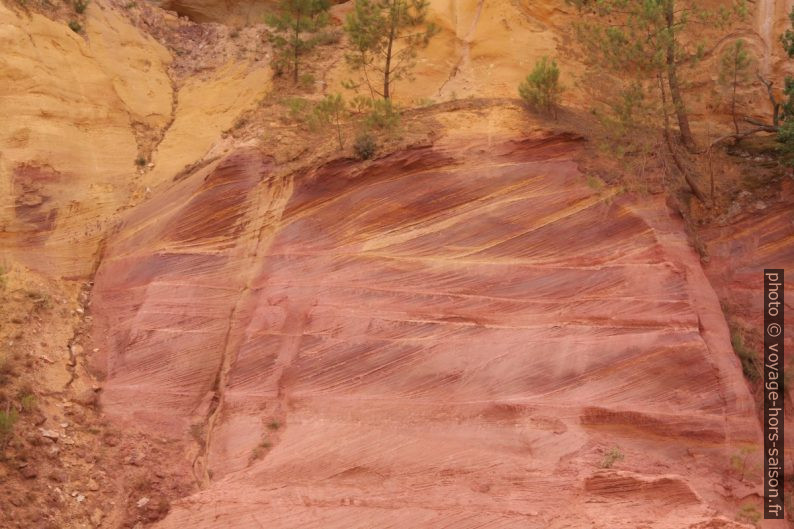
[785, 137]
[748, 513]
[735, 69]
[331, 112]
[41, 300]
[365, 146]
[653, 39]
[746, 355]
[6, 369]
[80, 6]
[782, 111]
[28, 402]
[386, 36]
[614, 455]
[259, 451]
[642, 52]
[295, 24]
[370, 116]
[739, 461]
[75, 26]
[140, 161]
[541, 90]
[298, 108]
[382, 115]
[8, 419]
[274, 425]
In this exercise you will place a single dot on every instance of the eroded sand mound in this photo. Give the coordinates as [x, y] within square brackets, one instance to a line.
[448, 337]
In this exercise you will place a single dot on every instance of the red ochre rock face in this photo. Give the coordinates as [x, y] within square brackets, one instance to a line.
[451, 336]
[740, 250]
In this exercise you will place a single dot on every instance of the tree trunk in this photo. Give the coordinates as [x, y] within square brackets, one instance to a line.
[339, 132]
[295, 48]
[678, 163]
[672, 76]
[733, 99]
[395, 19]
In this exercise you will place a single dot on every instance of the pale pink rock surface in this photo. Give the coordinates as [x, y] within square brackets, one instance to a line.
[447, 337]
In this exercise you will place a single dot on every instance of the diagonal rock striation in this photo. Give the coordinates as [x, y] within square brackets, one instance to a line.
[450, 336]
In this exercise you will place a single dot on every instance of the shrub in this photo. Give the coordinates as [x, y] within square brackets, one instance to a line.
[739, 461]
[360, 104]
[274, 425]
[748, 513]
[80, 6]
[785, 137]
[611, 457]
[327, 37]
[330, 112]
[259, 451]
[41, 300]
[6, 369]
[7, 420]
[541, 90]
[365, 146]
[382, 115]
[298, 108]
[28, 402]
[140, 161]
[75, 26]
[746, 356]
[306, 81]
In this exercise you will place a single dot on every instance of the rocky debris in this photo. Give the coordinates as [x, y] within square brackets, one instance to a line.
[88, 398]
[28, 472]
[201, 47]
[50, 434]
[55, 469]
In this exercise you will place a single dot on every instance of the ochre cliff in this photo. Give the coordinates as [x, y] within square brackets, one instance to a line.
[460, 333]
[78, 114]
[452, 335]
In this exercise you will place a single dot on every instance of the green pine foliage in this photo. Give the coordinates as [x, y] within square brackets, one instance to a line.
[785, 135]
[296, 24]
[541, 90]
[735, 65]
[651, 40]
[331, 112]
[386, 36]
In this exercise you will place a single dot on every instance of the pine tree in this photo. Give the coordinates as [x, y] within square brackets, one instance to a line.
[386, 36]
[541, 89]
[651, 39]
[734, 69]
[785, 112]
[292, 21]
[331, 111]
